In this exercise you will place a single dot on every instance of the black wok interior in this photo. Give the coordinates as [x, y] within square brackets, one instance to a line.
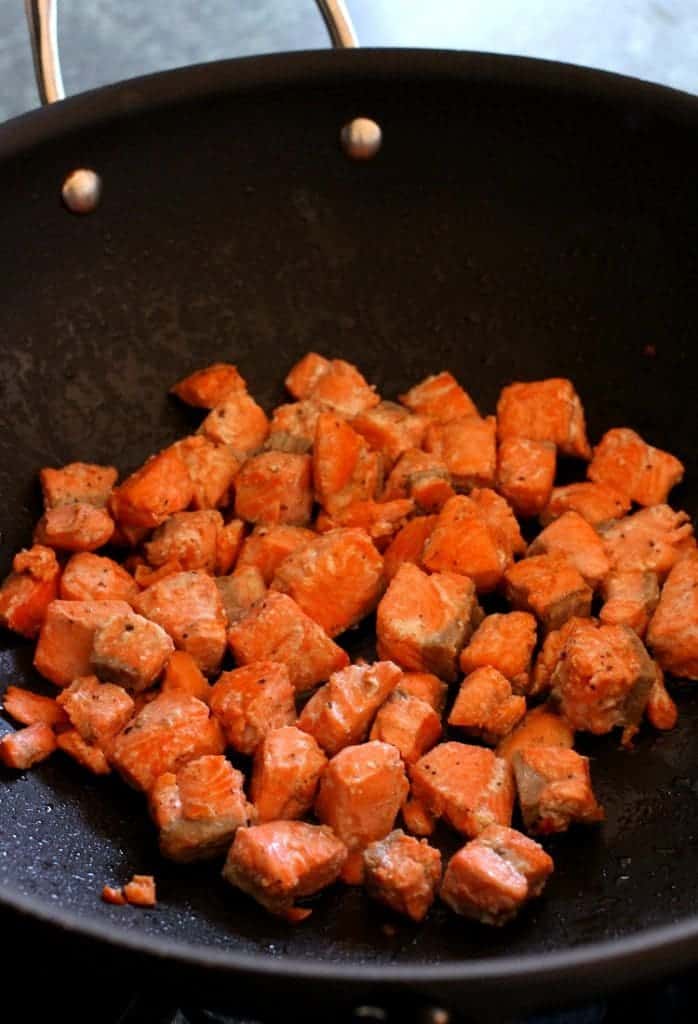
[521, 221]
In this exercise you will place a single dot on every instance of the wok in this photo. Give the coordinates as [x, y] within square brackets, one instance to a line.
[522, 219]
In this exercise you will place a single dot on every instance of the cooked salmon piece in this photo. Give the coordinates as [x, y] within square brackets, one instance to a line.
[288, 764]
[642, 473]
[65, 641]
[526, 473]
[554, 789]
[29, 708]
[661, 710]
[267, 547]
[408, 544]
[381, 520]
[342, 389]
[27, 747]
[485, 706]
[336, 580]
[390, 429]
[340, 712]
[651, 540]
[240, 591]
[25, 595]
[504, 642]
[161, 487]
[544, 410]
[549, 587]
[673, 633]
[423, 621]
[166, 733]
[549, 655]
[427, 687]
[210, 386]
[345, 469]
[252, 700]
[492, 876]
[115, 896]
[402, 873]
[98, 711]
[574, 537]
[630, 599]
[501, 521]
[238, 422]
[280, 862]
[90, 577]
[360, 794]
[145, 576]
[229, 545]
[468, 448]
[77, 483]
[188, 606]
[275, 488]
[462, 542]
[140, 891]
[130, 650]
[417, 818]
[183, 675]
[87, 755]
[440, 397]
[421, 476]
[198, 809]
[276, 629]
[408, 723]
[212, 470]
[542, 727]
[292, 427]
[603, 679]
[305, 374]
[467, 786]
[189, 538]
[78, 527]
[597, 503]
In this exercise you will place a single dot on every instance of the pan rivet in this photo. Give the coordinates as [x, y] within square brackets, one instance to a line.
[361, 138]
[81, 190]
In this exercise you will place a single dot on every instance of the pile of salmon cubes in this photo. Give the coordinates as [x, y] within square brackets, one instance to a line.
[254, 544]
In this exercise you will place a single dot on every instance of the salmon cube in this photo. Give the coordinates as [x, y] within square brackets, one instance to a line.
[502, 523]
[549, 655]
[467, 786]
[526, 473]
[27, 747]
[603, 678]
[250, 701]
[408, 544]
[574, 537]
[421, 476]
[661, 710]
[280, 862]
[114, 896]
[544, 410]
[292, 427]
[229, 545]
[381, 520]
[554, 788]
[98, 711]
[188, 606]
[183, 675]
[87, 755]
[345, 470]
[199, 808]
[342, 389]
[427, 687]
[408, 723]
[29, 708]
[673, 632]
[26, 594]
[303, 377]
[402, 873]
[189, 538]
[212, 470]
[210, 386]
[238, 422]
[146, 577]
[267, 547]
[341, 712]
[630, 599]
[651, 540]
[504, 642]
[240, 591]
[90, 577]
[275, 487]
[336, 580]
[542, 727]
[424, 621]
[360, 794]
[276, 629]
[166, 733]
[468, 448]
[485, 706]
[491, 877]
[417, 818]
[77, 483]
[288, 764]
[391, 429]
[644, 474]
[161, 487]
[462, 542]
[439, 397]
[65, 642]
[78, 527]
[140, 891]
[549, 587]
[597, 503]
[130, 650]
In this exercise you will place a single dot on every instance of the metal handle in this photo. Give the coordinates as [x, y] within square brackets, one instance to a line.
[42, 20]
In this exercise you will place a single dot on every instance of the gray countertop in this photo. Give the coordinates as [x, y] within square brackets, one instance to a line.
[104, 40]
